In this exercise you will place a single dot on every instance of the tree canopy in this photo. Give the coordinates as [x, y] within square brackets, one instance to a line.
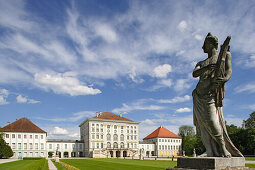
[5, 149]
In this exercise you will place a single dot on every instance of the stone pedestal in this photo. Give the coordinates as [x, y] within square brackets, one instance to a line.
[217, 163]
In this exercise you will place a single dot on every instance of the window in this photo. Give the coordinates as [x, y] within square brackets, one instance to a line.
[121, 145]
[122, 127]
[108, 126]
[131, 137]
[19, 136]
[41, 136]
[168, 147]
[58, 146]
[132, 131]
[19, 145]
[102, 130]
[135, 131]
[80, 146]
[97, 130]
[25, 136]
[93, 136]
[31, 136]
[115, 145]
[50, 146]
[127, 126]
[115, 131]
[135, 145]
[93, 124]
[102, 145]
[97, 136]
[159, 140]
[108, 145]
[65, 146]
[115, 137]
[108, 137]
[127, 131]
[93, 145]
[25, 145]
[121, 131]
[131, 127]
[36, 145]
[97, 145]
[122, 137]
[127, 137]
[30, 146]
[135, 127]
[7, 136]
[73, 146]
[159, 147]
[102, 136]
[13, 135]
[101, 125]
[135, 137]
[162, 147]
[93, 129]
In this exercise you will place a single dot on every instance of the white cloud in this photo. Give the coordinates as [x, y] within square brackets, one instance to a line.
[182, 84]
[185, 109]
[137, 105]
[248, 87]
[23, 99]
[76, 116]
[234, 120]
[106, 32]
[162, 71]
[3, 96]
[64, 84]
[59, 131]
[147, 122]
[252, 107]
[182, 25]
[176, 99]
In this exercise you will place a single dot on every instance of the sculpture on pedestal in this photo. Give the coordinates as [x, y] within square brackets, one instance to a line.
[208, 97]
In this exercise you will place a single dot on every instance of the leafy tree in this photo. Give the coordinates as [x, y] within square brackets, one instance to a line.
[188, 138]
[5, 150]
[250, 122]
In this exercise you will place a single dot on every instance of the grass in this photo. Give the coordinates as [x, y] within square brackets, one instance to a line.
[119, 164]
[40, 164]
[58, 165]
[250, 158]
[250, 165]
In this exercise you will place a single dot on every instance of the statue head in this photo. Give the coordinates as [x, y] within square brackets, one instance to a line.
[210, 43]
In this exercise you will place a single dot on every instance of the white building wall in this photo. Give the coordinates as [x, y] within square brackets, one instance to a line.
[27, 144]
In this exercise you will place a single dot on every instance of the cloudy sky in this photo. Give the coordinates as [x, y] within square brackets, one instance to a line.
[62, 61]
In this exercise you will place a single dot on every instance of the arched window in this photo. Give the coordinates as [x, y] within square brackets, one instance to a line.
[121, 145]
[108, 137]
[108, 145]
[115, 145]
[121, 137]
[115, 137]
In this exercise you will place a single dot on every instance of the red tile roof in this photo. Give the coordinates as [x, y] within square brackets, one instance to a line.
[112, 116]
[162, 132]
[22, 125]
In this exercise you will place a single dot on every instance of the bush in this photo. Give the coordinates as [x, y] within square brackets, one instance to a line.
[5, 150]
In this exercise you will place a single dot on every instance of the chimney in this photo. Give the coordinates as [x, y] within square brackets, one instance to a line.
[120, 114]
[100, 113]
[97, 114]
[8, 123]
[161, 126]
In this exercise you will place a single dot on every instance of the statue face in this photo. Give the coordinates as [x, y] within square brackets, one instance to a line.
[207, 46]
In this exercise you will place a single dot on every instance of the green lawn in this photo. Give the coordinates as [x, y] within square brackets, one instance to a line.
[58, 165]
[17, 165]
[119, 164]
[250, 158]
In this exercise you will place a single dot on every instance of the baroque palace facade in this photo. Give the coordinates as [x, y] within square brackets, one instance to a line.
[103, 136]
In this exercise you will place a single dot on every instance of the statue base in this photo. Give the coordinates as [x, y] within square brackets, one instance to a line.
[218, 163]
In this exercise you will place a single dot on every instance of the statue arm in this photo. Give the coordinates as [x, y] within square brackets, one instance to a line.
[199, 69]
[228, 69]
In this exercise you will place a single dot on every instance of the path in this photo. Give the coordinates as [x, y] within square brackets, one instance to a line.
[51, 165]
[7, 160]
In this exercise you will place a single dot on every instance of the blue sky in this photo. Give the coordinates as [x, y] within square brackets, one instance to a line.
[62, 61]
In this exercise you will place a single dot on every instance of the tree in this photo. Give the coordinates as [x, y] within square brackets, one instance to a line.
[250, 122]
[5, 149]
[188, 138]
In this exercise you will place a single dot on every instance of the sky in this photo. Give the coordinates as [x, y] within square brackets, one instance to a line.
[63, 61]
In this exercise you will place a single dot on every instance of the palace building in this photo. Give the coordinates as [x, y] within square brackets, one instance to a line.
[103, 136]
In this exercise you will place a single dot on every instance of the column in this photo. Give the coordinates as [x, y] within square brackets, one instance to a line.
[121, 153]
[69, 154]
[114, 153]
[62, 155]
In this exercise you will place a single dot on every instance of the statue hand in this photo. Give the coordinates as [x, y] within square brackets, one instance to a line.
[221, 80]
[211, 66]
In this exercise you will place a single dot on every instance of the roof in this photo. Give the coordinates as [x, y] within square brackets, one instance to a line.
[162, 132]
[146, 142]
[64, 141]
[112, 116]
[22, 125]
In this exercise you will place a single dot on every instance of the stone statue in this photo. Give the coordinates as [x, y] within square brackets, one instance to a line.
[194, 153]
[208, 97]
